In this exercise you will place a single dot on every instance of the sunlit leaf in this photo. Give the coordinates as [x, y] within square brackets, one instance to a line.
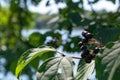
[30, 55]
[109, 45]
[59, 77]
[110, 63]
[84, 70]
[53, 68]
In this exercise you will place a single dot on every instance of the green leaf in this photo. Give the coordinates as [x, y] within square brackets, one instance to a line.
[109, 45]
[84, 70]
[59, 77]
[36, 39]
[47, 55]
[35, 63]
[53, 68]
[75, 18]
[105, 34]
[30, 55]
[110, 59]
[13, 66]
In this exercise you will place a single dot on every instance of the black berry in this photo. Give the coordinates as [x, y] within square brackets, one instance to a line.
[84, 33]
[83, 47]
[96, 50]
[84, 53]
[89, 36]
[88, 61]
[80, 44]
[88, 58]
[84, 40]
[93, 55]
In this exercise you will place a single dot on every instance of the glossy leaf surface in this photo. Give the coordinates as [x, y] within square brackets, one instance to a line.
[84, 70]
[30, 55]
[57, 68]
[110, 63]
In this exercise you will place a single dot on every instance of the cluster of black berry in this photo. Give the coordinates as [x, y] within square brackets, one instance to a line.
[87, 53]
[52, 42]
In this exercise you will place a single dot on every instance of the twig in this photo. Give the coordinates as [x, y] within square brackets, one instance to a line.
[70, 56]
[91, 6]
[76, 57]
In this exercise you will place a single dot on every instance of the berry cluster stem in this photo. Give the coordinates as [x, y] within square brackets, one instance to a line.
[76, 57]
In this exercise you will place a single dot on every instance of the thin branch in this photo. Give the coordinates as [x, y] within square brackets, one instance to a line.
[76, 57]
[70, 56]
[91, 6]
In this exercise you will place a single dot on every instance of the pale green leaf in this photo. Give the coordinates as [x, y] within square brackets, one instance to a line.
[30, 55]
[53, 68]
[59, 77]
[111, 59]
[84, 70]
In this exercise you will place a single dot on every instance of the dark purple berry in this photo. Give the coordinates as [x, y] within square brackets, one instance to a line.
[88, 58]
[83, 47]
[89, 36]
[84, 40]
[80, 43]
[88, 61]
[84, 53]
[93, 55]
[84, 33]
[96, 50]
